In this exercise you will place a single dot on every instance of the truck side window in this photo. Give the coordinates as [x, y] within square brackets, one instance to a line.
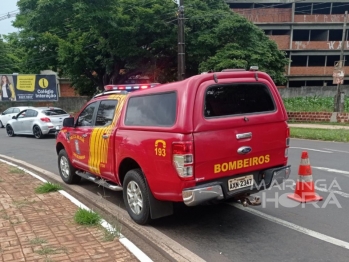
[152, 110]
[86, 116]
[105, 112]
[237, 99]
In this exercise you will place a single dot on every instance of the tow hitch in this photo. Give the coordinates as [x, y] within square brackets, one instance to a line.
[250, 201]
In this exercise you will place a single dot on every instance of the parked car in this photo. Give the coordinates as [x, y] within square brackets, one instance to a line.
[9, 113]
[37, 121]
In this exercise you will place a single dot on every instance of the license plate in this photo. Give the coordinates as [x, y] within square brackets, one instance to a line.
[241, 182]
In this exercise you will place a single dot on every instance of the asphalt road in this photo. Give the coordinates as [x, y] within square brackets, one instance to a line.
[278, 230]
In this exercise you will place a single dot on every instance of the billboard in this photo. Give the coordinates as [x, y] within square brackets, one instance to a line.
[28, 88]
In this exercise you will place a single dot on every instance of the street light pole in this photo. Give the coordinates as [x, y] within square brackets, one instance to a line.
[339, 106]
[181, 41]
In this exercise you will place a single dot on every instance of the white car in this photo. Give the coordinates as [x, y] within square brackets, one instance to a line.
[9, 113]
[37, 121]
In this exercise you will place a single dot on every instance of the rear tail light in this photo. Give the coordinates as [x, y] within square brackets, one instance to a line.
[288, 136]
[183, 159]
[45, 119]
[287, 140]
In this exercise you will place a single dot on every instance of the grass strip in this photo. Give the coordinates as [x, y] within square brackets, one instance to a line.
[337, 135]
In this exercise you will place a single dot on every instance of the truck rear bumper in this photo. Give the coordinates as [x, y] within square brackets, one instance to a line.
[218, 190]
[195, 196]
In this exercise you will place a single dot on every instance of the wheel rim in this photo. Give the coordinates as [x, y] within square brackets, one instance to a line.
[37, 131]
[9, 130]
[134, 197]
[64, 166]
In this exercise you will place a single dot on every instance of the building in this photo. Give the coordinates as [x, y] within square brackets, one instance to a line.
[310, 32]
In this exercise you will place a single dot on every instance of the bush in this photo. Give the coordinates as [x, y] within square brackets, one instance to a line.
[312, 104]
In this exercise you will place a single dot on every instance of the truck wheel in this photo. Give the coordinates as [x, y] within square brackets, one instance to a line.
[66, 170]
[136, 198]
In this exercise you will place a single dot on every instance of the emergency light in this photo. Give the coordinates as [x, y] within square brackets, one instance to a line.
[129, 87]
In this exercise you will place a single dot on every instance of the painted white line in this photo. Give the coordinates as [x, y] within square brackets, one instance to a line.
[295, 227]
[342, 172]
[135, 250]
[25, 170]
[343, 194]
[74, 200]
[347, 152]
[123, 240]
[311, 149]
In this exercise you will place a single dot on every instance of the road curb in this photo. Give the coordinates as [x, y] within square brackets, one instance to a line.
[169, 248]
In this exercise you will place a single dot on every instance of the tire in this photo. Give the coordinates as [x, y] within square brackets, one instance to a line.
[9, 131]
[66, 170]
[1, 125]
[136, 191]
[37, 132]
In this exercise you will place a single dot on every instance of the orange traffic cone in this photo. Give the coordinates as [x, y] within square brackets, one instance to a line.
[305, 189]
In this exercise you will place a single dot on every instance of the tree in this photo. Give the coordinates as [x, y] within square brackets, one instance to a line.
[218, 39]
[10, 56]
[98, 42]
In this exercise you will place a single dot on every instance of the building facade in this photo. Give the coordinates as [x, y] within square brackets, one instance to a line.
[310, 32]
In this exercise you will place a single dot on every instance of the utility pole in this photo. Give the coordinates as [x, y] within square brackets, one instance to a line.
[181, 41]
[339, 100]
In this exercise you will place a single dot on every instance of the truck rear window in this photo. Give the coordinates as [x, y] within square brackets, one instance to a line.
[152, 110]
[236, 99]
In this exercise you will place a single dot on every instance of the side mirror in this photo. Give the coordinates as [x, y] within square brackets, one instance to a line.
[68, 122]
[14, 117]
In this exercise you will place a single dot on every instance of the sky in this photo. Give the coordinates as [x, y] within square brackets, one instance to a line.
[6, 24]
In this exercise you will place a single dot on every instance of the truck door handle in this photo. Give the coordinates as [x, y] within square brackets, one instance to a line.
[244, 135]
[105, 136]
[84, 135]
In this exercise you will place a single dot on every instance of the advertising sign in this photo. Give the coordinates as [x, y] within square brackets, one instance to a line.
[28, 88]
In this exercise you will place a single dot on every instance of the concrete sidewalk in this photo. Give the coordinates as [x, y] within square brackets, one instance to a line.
[320, 126]
[41, 227]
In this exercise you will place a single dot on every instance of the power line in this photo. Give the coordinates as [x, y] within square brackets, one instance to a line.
[7, 16]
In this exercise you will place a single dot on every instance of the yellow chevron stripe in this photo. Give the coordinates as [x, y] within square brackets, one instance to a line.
[98, 145]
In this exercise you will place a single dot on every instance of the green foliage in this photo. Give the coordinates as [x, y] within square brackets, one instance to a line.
[10, 55]
[48, 187]
[16, 170]
[338, 135]
[95, 43]
[312, 104]
[112, 232]
[37, 241]
[240, 44]
[86, 217]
